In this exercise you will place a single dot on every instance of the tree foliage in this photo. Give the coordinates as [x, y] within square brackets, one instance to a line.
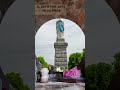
[75, 59]
[116, 63]
[81, 65]
[98, 76]
[42, 61]
[16, 81]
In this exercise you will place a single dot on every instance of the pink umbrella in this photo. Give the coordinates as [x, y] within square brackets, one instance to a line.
[74, 73]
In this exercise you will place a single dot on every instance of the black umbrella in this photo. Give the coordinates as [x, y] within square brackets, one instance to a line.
[115, 83]
[115, 5]
[4, 5]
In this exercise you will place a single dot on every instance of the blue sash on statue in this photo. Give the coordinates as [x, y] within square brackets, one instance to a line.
[60, 26]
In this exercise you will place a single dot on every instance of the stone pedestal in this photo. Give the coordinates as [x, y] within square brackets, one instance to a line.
[60, 53]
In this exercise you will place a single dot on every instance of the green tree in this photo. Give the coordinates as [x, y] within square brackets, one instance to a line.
[42, 61]
[81, 65]
[74, 59]
[16, 81]
[98, 76]
[116, 63]
[83, 53]
[90, 72]
[25, 87]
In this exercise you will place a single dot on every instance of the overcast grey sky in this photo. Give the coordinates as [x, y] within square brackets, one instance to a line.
[17, 37]
[46, 37]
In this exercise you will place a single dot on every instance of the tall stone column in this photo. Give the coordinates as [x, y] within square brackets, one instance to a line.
[60, 53]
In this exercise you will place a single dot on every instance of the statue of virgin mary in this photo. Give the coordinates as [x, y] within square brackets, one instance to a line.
[60, 29]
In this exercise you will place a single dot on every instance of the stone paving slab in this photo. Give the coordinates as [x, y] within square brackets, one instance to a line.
[59, 86]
